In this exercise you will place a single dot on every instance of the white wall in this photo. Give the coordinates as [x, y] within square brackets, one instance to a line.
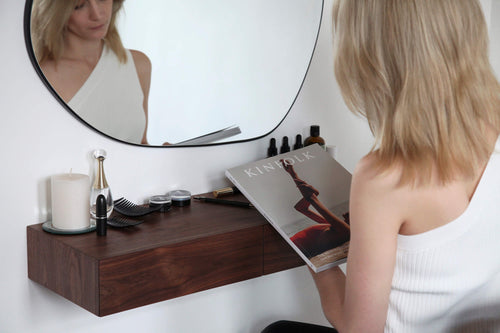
[39, 138]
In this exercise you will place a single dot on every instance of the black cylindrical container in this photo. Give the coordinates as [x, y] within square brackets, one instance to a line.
[101, 220]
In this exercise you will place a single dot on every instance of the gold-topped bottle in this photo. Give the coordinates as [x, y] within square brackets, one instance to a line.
[100, 185]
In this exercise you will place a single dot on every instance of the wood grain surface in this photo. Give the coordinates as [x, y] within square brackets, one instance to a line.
[179, 252]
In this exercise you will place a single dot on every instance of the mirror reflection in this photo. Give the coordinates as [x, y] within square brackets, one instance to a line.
[170, 71]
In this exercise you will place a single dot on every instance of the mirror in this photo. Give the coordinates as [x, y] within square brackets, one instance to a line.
[216, 64]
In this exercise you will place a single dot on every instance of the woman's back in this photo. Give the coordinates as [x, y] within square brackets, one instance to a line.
[447, 272]
[423, 254]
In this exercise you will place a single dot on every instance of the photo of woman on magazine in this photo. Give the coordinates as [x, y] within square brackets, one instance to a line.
[326, 241]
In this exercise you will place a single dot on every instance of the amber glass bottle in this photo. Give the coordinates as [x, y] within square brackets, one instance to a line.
[314, 137]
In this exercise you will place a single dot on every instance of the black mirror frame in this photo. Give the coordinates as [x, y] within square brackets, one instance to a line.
[34, 62]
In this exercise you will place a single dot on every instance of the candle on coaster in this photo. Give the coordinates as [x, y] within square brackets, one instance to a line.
[70, 201]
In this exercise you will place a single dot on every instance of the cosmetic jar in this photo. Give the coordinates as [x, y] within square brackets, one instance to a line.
[164, 201]
[180, 197]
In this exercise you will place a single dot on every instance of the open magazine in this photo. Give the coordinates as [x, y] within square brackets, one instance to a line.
[213, 136]
[304, 194]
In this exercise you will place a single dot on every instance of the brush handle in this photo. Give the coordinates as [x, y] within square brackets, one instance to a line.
[225, 202]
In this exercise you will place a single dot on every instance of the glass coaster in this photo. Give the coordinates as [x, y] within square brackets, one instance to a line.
[48, 227]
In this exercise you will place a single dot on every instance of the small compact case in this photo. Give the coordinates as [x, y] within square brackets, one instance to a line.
[162, 201]
[180, 198]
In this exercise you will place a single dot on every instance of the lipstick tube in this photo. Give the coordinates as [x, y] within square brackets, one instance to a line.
[101, 220]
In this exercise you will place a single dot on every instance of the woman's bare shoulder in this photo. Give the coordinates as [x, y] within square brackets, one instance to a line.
[369, 173]
[143, 68]
[376, 195]
[141, 61]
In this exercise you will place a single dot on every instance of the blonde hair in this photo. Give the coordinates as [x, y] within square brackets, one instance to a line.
[419, 71]
[48, 25]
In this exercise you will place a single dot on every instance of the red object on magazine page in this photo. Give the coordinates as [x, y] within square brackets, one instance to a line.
[304, 194]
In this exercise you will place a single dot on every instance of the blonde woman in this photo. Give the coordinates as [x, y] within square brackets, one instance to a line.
[80, 53]
[425, 202]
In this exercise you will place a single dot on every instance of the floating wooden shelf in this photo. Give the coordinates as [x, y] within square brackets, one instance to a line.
[183, 251]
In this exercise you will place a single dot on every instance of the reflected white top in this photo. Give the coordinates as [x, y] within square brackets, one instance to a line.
[448, 279]
[111, 100]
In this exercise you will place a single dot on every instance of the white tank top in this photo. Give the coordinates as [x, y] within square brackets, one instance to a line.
[111, 100]
[448, 279]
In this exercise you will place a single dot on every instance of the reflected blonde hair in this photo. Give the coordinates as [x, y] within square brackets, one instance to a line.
[48, 25]
[419, 71]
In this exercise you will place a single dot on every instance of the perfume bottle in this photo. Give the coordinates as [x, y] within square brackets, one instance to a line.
[100, 185]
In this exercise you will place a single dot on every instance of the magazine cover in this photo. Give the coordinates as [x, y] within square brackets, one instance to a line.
[304, 194]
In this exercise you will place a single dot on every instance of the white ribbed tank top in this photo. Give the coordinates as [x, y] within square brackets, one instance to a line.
[111, 100]
[448, 279]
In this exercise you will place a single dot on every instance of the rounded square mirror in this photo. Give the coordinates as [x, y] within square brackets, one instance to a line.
[231, 69]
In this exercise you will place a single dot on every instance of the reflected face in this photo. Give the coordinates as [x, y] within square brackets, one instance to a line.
[90, 19]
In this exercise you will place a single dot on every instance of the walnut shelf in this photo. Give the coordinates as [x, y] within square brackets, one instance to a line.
[183, 251]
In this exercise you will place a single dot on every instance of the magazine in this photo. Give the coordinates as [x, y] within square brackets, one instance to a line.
[213, 136]
[304, 194]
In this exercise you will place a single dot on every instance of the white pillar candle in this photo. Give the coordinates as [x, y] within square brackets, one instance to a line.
[70, 201]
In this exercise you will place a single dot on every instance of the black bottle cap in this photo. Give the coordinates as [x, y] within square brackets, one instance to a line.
[272, 150]
[298, 142]
[285, 147]
[314, 130]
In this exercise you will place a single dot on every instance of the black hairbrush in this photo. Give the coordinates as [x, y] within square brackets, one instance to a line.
[125, 207]
[120, 222]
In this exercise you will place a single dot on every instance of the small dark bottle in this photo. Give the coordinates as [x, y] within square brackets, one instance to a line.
[298, 142]
[101, 218]
[272, 150]
[314, 138]
[285, 147]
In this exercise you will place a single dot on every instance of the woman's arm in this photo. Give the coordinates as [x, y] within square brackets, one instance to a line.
[143, 68]
[358, 301]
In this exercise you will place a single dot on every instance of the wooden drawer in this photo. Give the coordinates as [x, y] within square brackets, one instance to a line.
[183, 251]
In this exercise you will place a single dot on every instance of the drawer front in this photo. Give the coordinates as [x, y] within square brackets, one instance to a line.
[278, 254]
[163, 273]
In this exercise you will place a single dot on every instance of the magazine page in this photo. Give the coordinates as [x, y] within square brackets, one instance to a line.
[213, 136]
[304, 194]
